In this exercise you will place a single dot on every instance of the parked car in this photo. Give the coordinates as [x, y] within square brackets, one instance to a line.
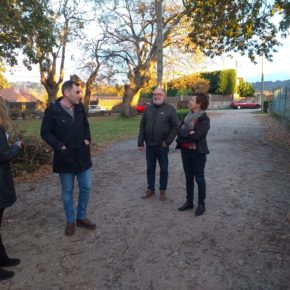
[96, 109]
[245, 104]
[141, 107]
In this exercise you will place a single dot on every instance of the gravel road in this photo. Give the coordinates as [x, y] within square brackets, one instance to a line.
[241, 242]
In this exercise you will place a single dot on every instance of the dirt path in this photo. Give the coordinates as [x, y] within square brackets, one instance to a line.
[242, 242]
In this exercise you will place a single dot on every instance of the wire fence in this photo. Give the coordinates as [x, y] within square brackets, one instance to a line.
[281, 102]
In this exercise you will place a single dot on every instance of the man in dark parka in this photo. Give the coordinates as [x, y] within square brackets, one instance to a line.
[66, 129]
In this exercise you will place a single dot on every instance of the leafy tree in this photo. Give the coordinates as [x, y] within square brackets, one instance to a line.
[3, 81]
[282, 7]
[223, 26]
[245, 89]
[21, 20]
[42, 29]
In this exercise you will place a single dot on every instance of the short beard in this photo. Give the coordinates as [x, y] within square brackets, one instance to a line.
[158, 102]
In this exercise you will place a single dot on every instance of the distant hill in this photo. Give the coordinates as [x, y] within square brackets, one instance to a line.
[269, 85]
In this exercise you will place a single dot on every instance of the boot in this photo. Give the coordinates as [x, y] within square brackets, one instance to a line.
[187, 205]
[162, 195]
[5, 274]
[5, 261]
[148, 194]
[200, 210]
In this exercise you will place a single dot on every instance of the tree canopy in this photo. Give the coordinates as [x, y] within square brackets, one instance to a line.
[224, 26]
[3, 81]
[21, 21]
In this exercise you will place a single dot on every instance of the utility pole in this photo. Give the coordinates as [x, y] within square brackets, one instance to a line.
[262, 83]
[159, 42]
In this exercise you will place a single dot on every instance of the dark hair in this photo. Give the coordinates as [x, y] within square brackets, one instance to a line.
[68, 85]
[202, 99]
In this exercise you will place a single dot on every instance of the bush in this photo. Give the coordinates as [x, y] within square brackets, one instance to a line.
[221, 82]
[266, 105]
[15, 113]
[227, 82]
[185, 86]
[245, 89]
[35, 153]
[181, 113]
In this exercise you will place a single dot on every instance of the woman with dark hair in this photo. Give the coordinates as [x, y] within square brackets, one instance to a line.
[192, 142]
[7, 190]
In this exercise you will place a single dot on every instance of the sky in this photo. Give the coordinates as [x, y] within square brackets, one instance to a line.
[278, 69]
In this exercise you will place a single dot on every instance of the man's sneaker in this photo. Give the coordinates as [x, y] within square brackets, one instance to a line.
[148, 194]
[200, 210]
[87, 224]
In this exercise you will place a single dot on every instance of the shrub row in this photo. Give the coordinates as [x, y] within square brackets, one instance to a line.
[216, 82]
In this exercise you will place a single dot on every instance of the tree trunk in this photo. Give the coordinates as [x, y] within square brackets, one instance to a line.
[136, 83]
[130, 91]
[87, 97]
[52, 90]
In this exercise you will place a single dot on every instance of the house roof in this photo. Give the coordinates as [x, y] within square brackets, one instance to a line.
[15, 95]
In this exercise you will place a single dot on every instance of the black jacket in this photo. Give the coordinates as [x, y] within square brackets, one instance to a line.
[58, 128]
[7, 153]
[158, 125]
[201, 127]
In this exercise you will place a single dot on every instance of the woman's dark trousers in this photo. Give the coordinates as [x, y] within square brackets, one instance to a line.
[3, 254]
[193, 165]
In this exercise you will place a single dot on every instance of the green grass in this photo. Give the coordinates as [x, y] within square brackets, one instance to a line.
[104, 129]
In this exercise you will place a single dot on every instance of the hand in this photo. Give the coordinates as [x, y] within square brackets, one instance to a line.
[19, 143]
[164, 144]
[87, 142]
[191, 132]
[63, 147]
[140, 148]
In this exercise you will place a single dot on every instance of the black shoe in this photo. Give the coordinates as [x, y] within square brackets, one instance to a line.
[5, 274]
[187, 205]
[200, 210]
[10, 262]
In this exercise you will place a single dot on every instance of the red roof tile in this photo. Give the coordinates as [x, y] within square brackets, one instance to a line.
[12, 95]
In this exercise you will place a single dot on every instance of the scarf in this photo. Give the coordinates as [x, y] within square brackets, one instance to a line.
[190, 118]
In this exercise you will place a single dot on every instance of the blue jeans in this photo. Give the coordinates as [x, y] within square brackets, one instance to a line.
[152, 155]
[193, 165]
[67, 184]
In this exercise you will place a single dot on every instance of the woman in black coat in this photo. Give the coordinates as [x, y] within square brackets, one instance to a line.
[192, 142]
[7, 190]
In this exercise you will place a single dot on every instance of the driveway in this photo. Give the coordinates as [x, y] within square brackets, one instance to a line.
[241, 242]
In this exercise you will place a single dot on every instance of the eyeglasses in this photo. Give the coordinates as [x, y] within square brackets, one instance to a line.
[158, 94]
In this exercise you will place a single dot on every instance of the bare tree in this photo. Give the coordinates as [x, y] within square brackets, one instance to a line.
[130, 28]
[68, 23]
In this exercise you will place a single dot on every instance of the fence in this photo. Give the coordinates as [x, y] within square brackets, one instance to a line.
[281, 102]
[109, 102]
[215, 101]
